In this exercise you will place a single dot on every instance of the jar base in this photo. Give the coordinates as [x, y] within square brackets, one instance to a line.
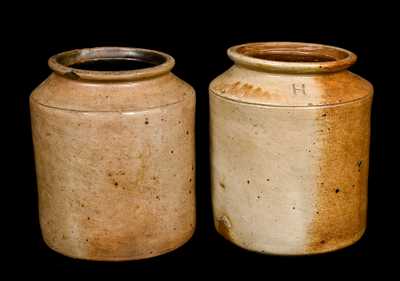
[336, 247]
[122, 259]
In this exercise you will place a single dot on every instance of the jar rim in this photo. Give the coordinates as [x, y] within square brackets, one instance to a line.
[62, 63]
[291, 57]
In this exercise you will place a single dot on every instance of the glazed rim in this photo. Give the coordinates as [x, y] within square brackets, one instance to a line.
[292, 57]
[62, 63]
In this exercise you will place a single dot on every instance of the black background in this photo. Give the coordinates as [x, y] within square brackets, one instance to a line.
[197, 36]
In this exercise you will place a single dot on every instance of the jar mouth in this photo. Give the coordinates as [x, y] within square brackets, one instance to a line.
[292, 57]
[111, 64]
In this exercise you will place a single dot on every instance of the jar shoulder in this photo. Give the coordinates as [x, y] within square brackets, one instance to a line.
[59, 92]
[256, 87]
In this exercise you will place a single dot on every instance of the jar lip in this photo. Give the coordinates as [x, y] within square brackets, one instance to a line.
[61, 63]
[291, 57]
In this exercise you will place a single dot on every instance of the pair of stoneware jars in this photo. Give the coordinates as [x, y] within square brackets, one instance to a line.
[114, 141]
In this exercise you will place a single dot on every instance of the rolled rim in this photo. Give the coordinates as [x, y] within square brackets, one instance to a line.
[62, 63]
[291, 57]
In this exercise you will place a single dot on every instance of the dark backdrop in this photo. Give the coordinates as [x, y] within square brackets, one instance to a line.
[197, 36]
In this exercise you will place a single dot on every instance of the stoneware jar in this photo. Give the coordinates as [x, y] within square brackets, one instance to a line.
[290, 130]
[113, 133]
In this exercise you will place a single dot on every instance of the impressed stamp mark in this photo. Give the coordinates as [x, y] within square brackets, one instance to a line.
[299, 89]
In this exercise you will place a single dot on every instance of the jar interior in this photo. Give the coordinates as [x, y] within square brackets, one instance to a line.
[292, 52]
[113, 64]
[110, 59]
[291, 56]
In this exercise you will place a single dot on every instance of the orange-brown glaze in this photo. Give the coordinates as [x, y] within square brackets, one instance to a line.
[342, 87]
[341, 202]
[290, 52]
[241, 90]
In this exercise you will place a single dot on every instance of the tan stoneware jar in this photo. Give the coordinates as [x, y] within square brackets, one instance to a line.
[113, 133]
[290, 130]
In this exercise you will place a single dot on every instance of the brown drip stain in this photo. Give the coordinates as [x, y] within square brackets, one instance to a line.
[72, 75]
[224, 226]
[239, 89]
[341, 190]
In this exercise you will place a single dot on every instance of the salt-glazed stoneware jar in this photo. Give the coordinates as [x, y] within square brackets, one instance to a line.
[290, 130]
[113, 133]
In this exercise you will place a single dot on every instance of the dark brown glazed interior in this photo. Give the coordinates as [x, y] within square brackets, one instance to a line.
[111, 63]
[111, 60]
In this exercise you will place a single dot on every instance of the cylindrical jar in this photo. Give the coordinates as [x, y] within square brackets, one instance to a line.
[290, 130]
[113, 134]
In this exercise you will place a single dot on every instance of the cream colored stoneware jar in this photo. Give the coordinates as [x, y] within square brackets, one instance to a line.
[290, 130]
[114, 153]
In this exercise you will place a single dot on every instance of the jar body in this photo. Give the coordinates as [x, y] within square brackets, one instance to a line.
[115, 166]
[289, 173]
